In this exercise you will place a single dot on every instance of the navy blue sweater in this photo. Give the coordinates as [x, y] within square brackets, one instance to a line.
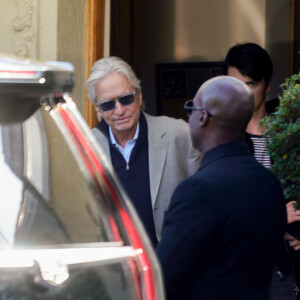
[135, 178]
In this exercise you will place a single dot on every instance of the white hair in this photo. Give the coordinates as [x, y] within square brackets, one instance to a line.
[105, 66]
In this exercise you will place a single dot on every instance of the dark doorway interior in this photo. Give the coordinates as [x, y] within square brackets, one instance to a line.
[125, 32]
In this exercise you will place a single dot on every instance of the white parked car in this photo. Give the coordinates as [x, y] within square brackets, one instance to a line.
[67, 228]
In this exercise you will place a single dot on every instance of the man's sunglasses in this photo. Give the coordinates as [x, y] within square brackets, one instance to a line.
[188, 107]
[124, 100]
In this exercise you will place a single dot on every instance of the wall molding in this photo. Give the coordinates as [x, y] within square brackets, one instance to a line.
[24, 27]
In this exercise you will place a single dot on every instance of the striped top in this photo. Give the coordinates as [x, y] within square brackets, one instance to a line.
[260, 150]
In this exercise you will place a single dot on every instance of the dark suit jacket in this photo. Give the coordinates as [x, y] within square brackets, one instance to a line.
[223, 229]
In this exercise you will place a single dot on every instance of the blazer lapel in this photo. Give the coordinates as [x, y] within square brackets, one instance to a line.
[158, 146]
[102, 140]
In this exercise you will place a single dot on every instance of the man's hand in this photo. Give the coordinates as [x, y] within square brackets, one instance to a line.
[292, 214]
[294, 243]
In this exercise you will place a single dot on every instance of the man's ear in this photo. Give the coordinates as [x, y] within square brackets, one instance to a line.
[98, 113]
[269, 84]
[203, 118]
[139, 96]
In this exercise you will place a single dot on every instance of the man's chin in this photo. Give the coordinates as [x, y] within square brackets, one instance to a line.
[122, 128]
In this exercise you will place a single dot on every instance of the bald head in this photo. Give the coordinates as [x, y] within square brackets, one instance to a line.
[228, 99]
[229, 106]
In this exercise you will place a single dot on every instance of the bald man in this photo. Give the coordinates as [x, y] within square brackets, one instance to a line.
[222, 232]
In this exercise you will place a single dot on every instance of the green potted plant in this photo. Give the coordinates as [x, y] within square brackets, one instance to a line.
[283, 139]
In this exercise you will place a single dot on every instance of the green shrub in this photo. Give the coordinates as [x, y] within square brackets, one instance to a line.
[283, 128]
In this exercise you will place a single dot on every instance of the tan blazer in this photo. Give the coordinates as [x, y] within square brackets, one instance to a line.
[172, 158]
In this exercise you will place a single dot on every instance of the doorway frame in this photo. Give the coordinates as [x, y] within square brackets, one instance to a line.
[94, 48]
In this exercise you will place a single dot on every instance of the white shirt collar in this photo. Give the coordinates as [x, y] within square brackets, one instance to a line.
[113, 139]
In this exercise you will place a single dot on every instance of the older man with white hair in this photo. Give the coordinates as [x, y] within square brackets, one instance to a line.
[150, 155]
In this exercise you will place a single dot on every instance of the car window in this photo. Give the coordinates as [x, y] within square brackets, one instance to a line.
[78, 273]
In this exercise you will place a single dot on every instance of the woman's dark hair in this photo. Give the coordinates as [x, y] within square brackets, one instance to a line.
[251, 60]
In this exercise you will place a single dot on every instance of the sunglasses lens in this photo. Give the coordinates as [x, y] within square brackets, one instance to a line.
[188, 112]
[187, 107]
[126, 100]
[111, 104]
[189, 103]
[108, 105]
